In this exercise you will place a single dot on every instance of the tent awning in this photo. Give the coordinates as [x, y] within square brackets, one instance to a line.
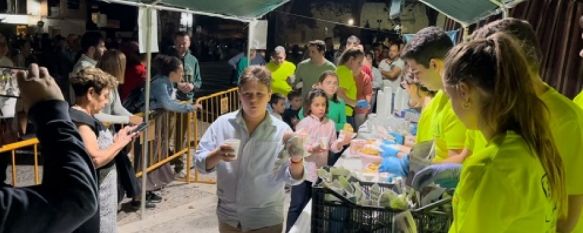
[242, 10]
[467, 12]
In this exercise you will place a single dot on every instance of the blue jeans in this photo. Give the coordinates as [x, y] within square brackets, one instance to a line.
[300, 196]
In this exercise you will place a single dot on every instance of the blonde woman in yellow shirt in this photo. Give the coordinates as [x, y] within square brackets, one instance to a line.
[516, 183]
[565, 119]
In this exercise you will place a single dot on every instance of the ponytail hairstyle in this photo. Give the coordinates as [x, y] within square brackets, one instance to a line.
[316, 92]
[350, 53]
[499, 70]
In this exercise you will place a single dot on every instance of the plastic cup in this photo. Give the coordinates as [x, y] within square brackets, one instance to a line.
[324, 142]
[235, 144]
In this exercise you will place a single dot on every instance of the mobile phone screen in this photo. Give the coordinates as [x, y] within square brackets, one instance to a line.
[9, 91]
[8, 84]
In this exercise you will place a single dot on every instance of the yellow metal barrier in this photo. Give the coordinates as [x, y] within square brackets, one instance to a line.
[169, 135]
[213, 106]
[13, 147]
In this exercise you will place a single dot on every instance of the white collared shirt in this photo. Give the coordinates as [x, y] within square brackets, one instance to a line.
[250, 189]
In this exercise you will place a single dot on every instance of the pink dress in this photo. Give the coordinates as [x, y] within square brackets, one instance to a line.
[316, 130]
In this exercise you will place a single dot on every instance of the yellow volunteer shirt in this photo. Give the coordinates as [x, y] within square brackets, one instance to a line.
[346, 82]
[566, 124]
[475, 141]
[279, 76]
[449, 133]
[424, 130]
[503, 188]
[579, 99]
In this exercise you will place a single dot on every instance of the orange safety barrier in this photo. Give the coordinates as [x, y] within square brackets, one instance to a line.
[13, 147]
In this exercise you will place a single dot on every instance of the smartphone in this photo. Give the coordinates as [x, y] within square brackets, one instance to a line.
[8, 83]
[141, 127]
[9, 91]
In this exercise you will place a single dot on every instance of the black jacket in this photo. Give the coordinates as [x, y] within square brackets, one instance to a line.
[68, 195]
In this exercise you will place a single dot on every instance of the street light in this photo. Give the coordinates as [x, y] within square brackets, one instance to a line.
[351, 22]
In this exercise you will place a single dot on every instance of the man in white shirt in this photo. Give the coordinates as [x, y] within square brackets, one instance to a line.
[392, 67]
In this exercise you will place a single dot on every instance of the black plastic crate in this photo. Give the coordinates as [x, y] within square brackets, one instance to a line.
[338, 215]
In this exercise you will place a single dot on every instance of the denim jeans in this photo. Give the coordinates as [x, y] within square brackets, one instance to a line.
[300, 196]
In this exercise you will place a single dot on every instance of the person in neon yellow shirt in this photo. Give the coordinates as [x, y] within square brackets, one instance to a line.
[419, 98]
[516, 183]
[349, 67]
[425, 56]
[565, 119]
[281, 71]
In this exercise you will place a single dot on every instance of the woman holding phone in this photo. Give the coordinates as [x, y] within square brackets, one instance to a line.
[92, 87]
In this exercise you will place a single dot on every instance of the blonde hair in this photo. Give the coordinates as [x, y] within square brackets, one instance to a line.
[497, 67]
[91, 78]
[113, 62]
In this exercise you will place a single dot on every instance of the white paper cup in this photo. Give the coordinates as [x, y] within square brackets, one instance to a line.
[324, 142]
[235, 144]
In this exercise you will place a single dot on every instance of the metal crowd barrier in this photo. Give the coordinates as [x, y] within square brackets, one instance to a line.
[213, 106]
[169, 135]
[14, 147]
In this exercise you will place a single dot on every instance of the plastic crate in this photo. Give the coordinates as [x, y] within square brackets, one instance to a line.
[332, 213]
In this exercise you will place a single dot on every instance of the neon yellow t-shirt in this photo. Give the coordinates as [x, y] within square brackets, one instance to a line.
[424, 130]
[579, 99]
[503, 188]
[346, 82]
[566, 123]
[475, 141]
[279, 76]
[449, 133]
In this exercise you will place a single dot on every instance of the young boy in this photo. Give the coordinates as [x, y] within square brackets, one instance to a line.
[290, 116]
[277, 104]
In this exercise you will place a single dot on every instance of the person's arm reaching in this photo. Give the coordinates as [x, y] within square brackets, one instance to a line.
[68, 195]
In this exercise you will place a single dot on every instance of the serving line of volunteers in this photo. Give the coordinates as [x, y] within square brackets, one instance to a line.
[521, 153]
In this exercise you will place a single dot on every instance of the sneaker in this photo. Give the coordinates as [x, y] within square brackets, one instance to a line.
[153, 198]
[136, 205]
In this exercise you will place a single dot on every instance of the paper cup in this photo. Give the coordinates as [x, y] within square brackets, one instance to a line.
[324, 142]
[234, 143]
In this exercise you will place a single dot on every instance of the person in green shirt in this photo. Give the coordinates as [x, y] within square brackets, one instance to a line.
[425, 56]
[281, 71]
[192, 80]
[328, 82]
[311, 69]
[565, 118]
[516, 183]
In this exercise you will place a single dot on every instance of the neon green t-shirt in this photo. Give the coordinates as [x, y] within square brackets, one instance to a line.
[280, 75]
[449, 133]
[566, 124]
[346, 81]
[475, 141]
[503, 188]
[424, 130]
